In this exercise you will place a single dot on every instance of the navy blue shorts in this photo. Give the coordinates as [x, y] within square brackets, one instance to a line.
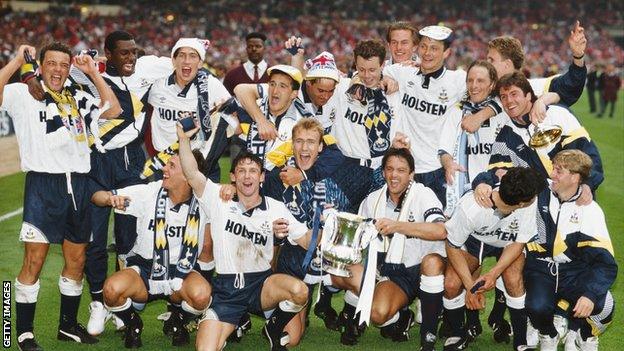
[481, 250]
[49, 213]
[435, 181]
[230, 301]
[145, 269]
[290, 261]
[407, 278]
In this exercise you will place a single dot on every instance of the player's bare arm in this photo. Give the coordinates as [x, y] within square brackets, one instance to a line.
[195, 178]
[422, 230]
[247, 94]
[7, 71]
[87, 65]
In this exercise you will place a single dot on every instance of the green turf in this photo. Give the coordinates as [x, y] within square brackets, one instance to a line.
[608, 134]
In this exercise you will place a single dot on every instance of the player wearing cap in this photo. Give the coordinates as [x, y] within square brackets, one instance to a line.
[130, 78]
[426, 93]
[170, 235]
[190, 91]
[243, 229]
[281, 109]
[475, 232]
[53, 137]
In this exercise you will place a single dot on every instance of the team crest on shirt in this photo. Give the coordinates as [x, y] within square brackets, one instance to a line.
[266, 228]
[332, 115]
[283, 136]
[144, 83]
[411, 218]
[30, 234]
[443, 97]
[574, 218]
[514, 226]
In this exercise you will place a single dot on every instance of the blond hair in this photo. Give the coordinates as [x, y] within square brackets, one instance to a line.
[575, 161]
[311, 124]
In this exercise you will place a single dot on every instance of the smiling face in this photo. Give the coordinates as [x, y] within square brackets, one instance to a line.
[320, 90]
[564, 181]
[401, 45]
[281, 93]
[306, 147]
[515, 103]
[247, 176]
[123, 57]
[55, 69]
[397, 175]
[432, 54]
[369, 70]
[186, 63]
[478, 83]
[173, 178]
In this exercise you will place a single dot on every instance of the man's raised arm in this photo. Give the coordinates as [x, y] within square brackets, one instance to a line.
[194, 177]
[7, 71]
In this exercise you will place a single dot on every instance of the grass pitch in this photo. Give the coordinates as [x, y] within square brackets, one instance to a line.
[607, 133]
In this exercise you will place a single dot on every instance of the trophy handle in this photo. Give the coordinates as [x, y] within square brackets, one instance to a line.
[368, 232]
[329, 228]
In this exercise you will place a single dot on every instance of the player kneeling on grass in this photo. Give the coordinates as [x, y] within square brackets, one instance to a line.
[411, 215]
[475, 232]
[243, 230]
[170, 228]
[572, 260]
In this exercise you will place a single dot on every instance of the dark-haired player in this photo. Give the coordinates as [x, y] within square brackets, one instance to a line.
[243, 229]
[53, 139]
[473, 233]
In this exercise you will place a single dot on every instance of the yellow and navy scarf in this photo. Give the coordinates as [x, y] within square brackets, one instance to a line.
[378, 116]
[190, 242]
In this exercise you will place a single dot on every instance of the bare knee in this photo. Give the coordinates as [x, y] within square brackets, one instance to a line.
[452, 285]
[432, 264]
[380, 314]
[299, 292]
[199, 298]
[113, 291]
[514, 284]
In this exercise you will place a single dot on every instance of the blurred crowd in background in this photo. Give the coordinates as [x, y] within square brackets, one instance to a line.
[335, 26]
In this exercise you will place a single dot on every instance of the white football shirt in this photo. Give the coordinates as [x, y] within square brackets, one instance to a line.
[423, 110]
[488, 225]
[172, 103]
[142, 205]
[243, 239]
[29, 120]
[424, 207]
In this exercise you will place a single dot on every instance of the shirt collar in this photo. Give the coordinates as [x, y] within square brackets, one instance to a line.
[184, 91]
[434, 75]
[397, 207]
[262, 206]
